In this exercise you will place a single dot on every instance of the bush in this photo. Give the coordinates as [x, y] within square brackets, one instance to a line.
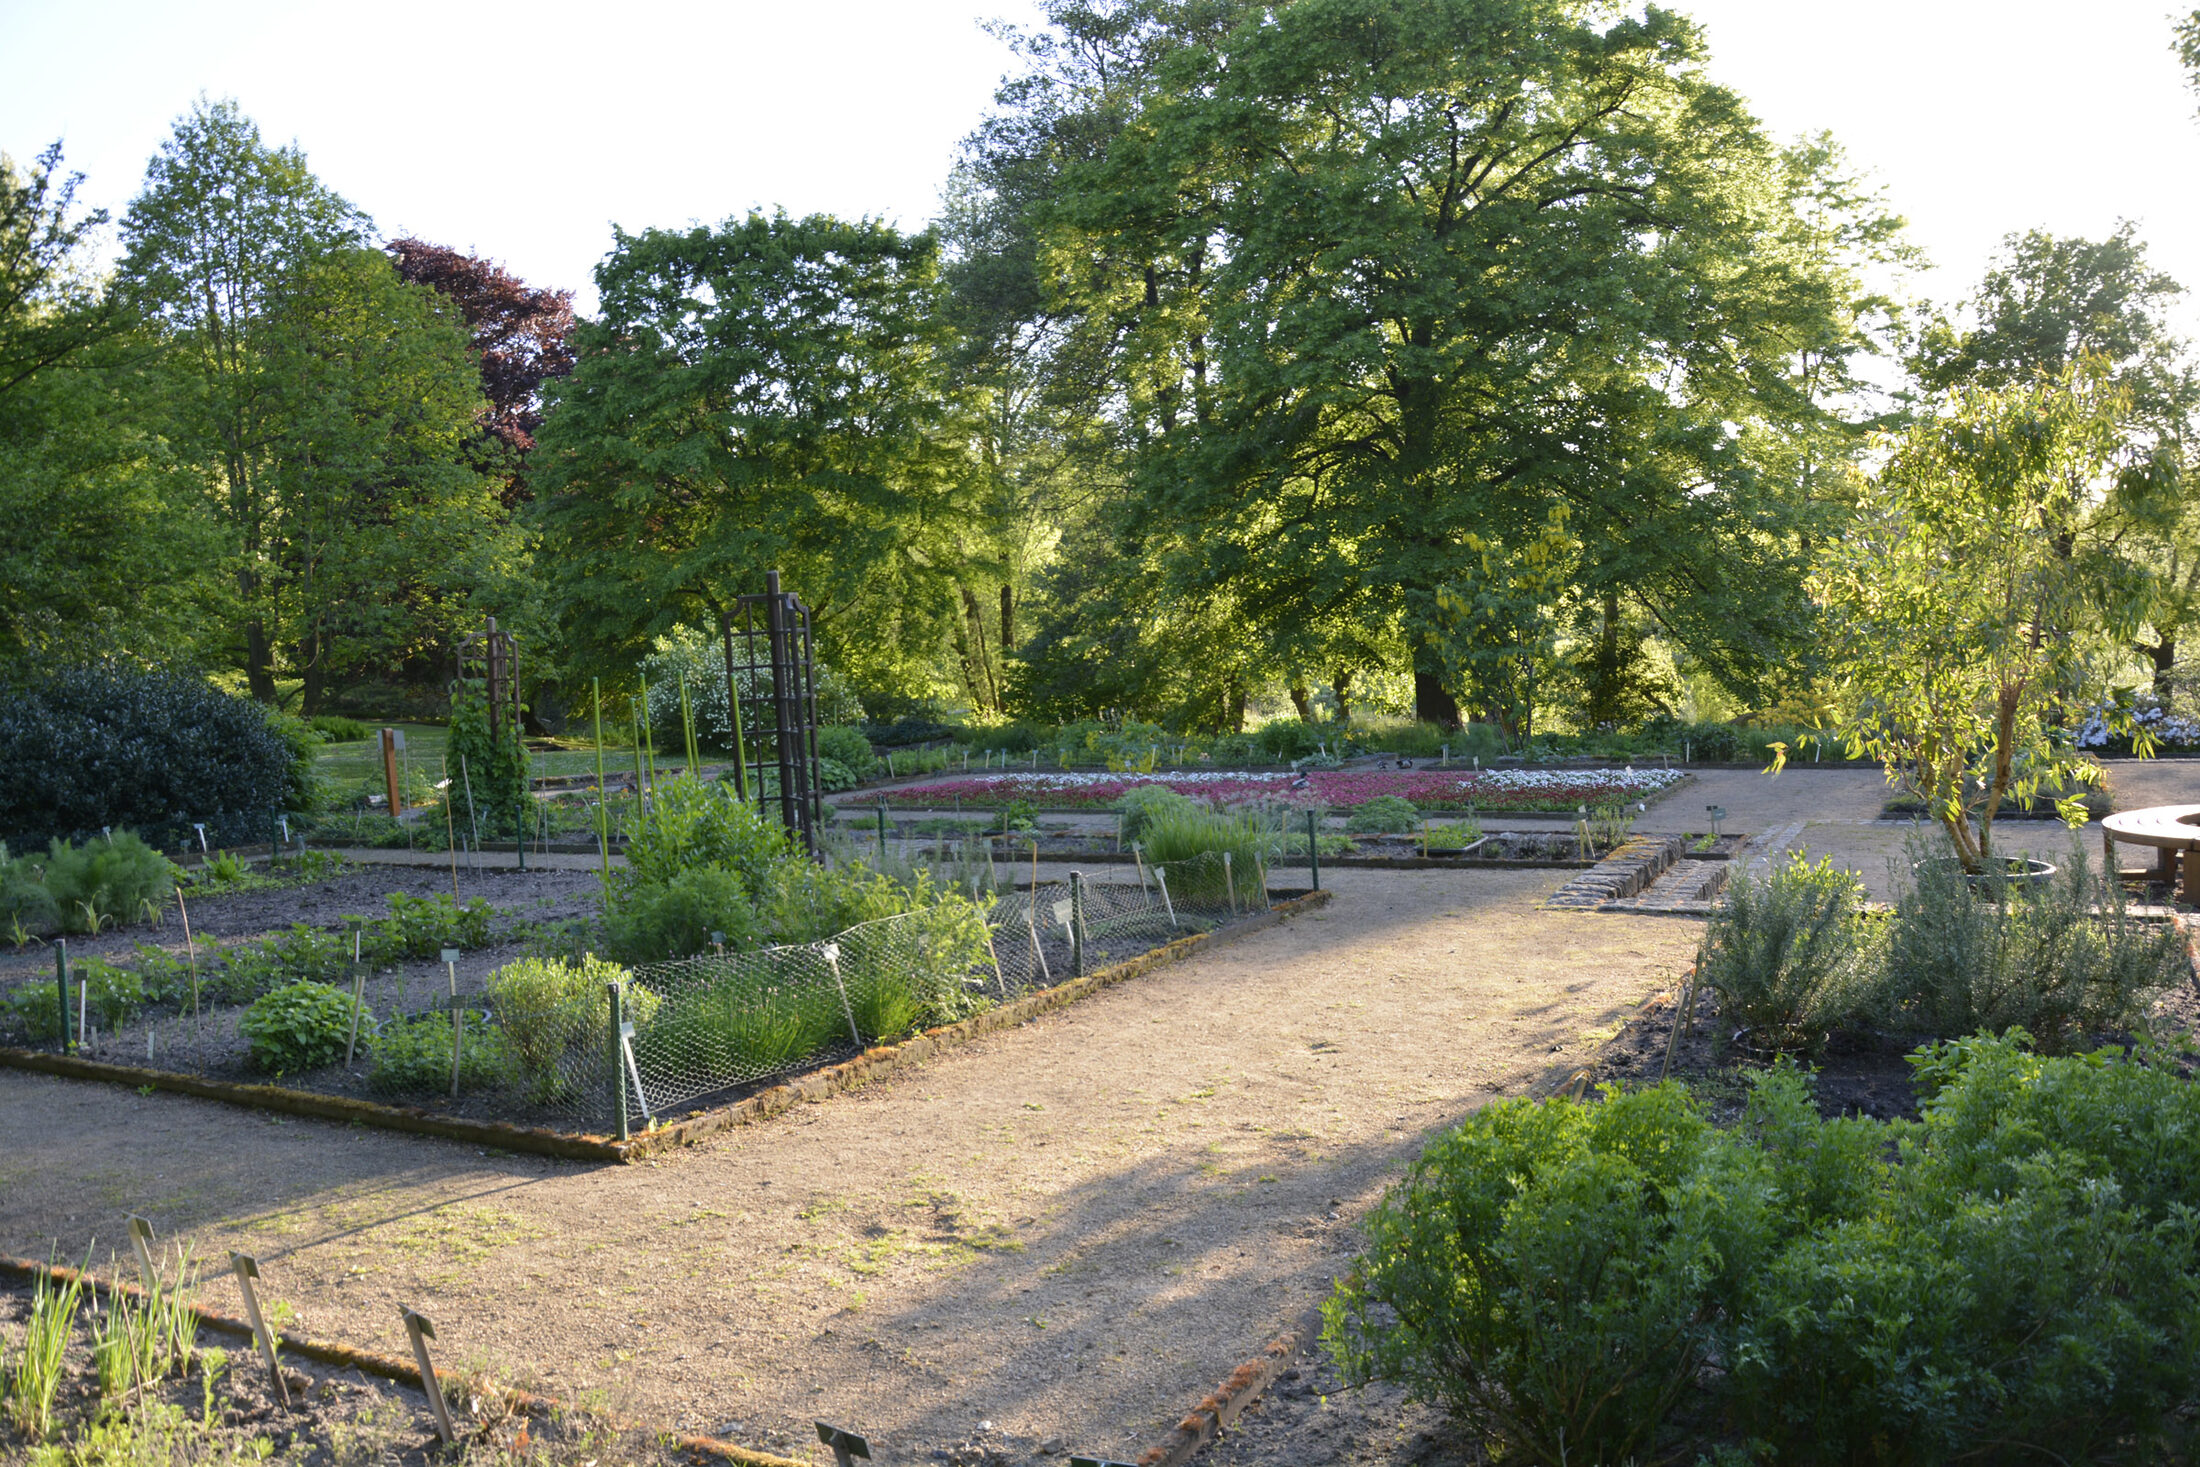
[413, 1056]
[1012, 738]
[299, 1027]
[1788, 954]
[334, 728]
[1287, 739]
[2059, 960]
[303, 787]
[2013, 1281]
[849, 746]
[1552, 1272]
[1383, 815]
[547, 1007]
[104, 746]
[653, 921]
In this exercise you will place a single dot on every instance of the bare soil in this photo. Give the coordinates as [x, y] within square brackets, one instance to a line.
[1064, 1234]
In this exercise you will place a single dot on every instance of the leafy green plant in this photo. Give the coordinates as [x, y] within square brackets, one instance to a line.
[2060, 959]
[1383, 815]
[1551, 1272]
[848, 745]
[299, 1027]
[113, 995]
[549, 1007]
[421, 927]
[1142, 804]
[651, 922]
[337, 729]
[87, 887]
[38, 1370]
[126, 1345]
[413, 1056]
[1789, 954]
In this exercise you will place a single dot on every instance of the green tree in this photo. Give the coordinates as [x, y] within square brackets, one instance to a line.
[99, 552]
[1373, 283]
[771, 393]
[326, 404]
[1968, 606]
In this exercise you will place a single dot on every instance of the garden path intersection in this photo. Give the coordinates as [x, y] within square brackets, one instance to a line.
[1073, 1229]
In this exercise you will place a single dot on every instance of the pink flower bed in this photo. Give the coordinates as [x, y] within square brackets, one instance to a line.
[1427, 789]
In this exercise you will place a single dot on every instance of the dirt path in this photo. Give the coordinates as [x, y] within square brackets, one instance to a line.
[1071, 1231]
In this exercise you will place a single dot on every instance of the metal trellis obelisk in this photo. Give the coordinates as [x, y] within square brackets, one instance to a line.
[771, 686]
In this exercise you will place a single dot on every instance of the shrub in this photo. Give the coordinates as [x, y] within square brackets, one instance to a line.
[1788, 954]
[834, 776]
[303, 787]
[849, 746]
[653, 921]
[2060, 960]
[334, 728]
[1551, 1272]
[413, 1056]
[549, 1006]
[1383, 815]
[299, 1027]
[1287, 739]
[105, 746]
[693, 823]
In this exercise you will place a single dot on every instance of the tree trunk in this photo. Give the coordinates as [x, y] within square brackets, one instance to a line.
[1603, 708]
[1341, 683]
[1008, 619]
[2164, 656]
[1299, 701]
[1432, 701]
[259, 662]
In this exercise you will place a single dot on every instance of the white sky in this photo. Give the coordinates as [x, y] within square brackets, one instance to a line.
[524, 131]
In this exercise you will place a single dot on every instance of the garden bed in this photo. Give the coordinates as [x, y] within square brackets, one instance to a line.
[1515, 790]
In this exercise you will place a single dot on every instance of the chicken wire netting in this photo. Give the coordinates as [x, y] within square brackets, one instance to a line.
[564, 1053]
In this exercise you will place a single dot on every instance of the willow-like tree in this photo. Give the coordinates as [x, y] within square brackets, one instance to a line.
[769, 394]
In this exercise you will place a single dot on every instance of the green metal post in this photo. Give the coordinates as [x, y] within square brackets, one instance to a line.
[740, 752]
[1314, 850]
[687, 726]
[649, 737]
[641, 774]
[603, 811]
[61, 975]
[882, 829]
[618, 1057]
[1077, 924]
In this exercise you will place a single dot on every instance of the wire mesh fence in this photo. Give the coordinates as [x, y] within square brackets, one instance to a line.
[595, 1047]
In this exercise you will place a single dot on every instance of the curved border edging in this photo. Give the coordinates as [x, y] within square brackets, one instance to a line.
[403, 1372]
[872, 1064]
[1226, 1402]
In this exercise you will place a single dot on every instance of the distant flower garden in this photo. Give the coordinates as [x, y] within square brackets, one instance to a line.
[1491, 789]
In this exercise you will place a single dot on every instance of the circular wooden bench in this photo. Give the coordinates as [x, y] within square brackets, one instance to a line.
[2173, 831]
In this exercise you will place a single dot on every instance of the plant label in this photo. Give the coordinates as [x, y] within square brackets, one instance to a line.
[846, 1445]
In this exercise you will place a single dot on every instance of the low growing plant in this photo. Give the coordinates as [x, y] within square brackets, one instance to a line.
[412, 1056]
[1789, 954]
[1383, 815]
[299, 1027]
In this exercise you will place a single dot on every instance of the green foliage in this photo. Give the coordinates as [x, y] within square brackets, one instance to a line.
[2012, 1276]
[549, 1007]
[112, 995]
[847, 744]
[1142, 804]
[413, 1056]
[36, 1009]
[1985, 589]
[85, 888]
[1550, 1272]
[1789, 955]
[36, 1379]
[2061, 959]
[699, 657]
[488, 772]
[87, 747]
[694, 823]
[743, 1024]
[834, 776]
[656, 920]
[1383, 815]
[299, 1027]
[421, 927]
[335, 728]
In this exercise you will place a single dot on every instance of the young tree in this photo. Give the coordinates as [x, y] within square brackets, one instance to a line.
[1967, 607]
[771, 393]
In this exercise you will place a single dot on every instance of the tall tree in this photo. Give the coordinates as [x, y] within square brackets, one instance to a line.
[770, 393]
[327, 403]
[1386, 290]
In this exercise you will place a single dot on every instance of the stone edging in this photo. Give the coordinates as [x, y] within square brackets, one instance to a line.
[1223, 1405]
[404, 1372]
[872, 1064]
[1638, 861]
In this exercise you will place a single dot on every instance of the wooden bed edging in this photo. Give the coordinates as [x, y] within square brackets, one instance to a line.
[872, 1064]
[404, 1372]
[1223, 1405]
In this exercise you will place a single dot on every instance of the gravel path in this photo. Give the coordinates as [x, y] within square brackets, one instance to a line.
[1071, 1231]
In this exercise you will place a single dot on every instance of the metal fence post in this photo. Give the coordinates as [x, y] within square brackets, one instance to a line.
[1229, 883]
[1161, 879]
[1077, 924]
[61, 977]
[882, 829]
[615, 1054]
[1314, 849]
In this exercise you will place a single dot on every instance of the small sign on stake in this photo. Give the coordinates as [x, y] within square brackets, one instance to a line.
[248, 1269]
[1096, 1462]
[420, 1331]
[141, 1242]
[846, 1445]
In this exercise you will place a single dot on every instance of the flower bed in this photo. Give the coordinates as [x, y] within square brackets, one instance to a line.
[1553, 790]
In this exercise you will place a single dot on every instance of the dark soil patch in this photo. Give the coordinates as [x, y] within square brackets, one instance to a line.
[1309, 1417]
[1857, 1073]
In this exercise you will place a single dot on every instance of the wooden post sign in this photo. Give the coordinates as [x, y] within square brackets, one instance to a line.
[393, 744]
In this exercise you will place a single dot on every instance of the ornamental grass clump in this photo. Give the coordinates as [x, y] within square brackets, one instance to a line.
[1789, 954]
[1383, 815]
